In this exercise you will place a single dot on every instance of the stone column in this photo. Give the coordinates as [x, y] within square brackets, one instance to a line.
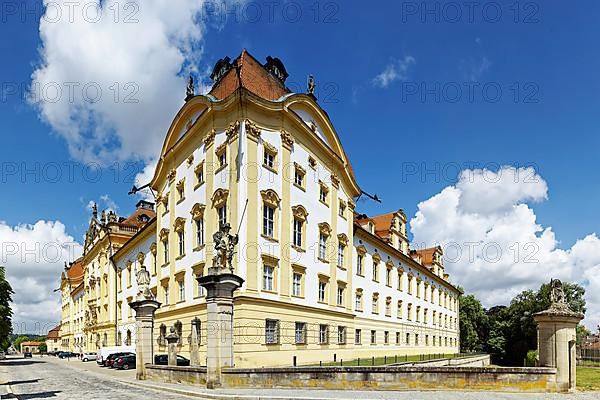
[219, 305]
[556, 337]
[194, 343]
[556, 344]
[172, 341]
[144, 344]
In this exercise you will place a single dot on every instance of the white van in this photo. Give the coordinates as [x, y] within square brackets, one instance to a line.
[104, 352]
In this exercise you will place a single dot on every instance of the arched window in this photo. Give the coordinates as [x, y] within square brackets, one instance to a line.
[128, 338]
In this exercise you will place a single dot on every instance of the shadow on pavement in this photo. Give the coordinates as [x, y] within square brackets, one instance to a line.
[15, 363]
[12, 383]
[39, 395]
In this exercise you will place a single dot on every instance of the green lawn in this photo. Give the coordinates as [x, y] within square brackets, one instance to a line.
[391, 359]
[588, 378]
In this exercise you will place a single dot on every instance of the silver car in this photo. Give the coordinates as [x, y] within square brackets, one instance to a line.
[88, 357]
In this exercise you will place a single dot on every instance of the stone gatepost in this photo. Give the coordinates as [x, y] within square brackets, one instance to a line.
[557, 336]
[144, 345]
[172, 342]
[219, 305]
[194, 343]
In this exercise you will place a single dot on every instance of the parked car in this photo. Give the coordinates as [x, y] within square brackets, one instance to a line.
[27, 355]
[103, 353]
[88, 357]
[125, 362]
[163, 359]
[113, 357]
[67, 354]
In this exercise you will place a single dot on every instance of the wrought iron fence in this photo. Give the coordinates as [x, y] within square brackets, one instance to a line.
[589, 357]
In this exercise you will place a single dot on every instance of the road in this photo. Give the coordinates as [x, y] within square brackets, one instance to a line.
[49, 378]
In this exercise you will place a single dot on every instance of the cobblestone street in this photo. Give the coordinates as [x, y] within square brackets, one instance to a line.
[41, 378]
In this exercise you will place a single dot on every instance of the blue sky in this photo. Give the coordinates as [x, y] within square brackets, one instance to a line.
[393, 130]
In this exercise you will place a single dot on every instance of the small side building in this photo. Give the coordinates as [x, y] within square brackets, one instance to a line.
[31, 347]
[53, 339]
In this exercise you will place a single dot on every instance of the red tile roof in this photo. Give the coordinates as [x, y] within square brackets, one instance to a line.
[54, 333]
[249, 73]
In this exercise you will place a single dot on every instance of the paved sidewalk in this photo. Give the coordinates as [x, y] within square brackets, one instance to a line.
[128, 377]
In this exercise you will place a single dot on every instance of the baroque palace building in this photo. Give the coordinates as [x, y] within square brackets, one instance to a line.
[322, 282]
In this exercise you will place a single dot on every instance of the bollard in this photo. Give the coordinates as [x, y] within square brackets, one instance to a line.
[294, 361]
[384, 360]
[334, 357]
[372, 360]
[341, 362]
[359, 361]
[320, 363]
[396, 358]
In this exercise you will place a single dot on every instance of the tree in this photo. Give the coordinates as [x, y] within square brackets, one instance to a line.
[6, 293]
[473, 322]
[43, 348]
[20, 339]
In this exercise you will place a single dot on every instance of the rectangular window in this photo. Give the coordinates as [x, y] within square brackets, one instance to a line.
[322, 246]
[388, 277]
[199, 288]
[268, 220]
[375, 271]
[180, 191]
[341, 335]
[268, 272]
[433, 340]
[222, 213]
[426, 340]
[222, 156]
[299, 178]
[386, 337]
[322, 288]
[271, 331]
[297, 284]
[375, 309]
[181, 237]
[409, 312]
[323, 334]
[166, 250]
[397, 337]
[418, 319]
[166, 293]
[199, 232]
[298, 232]
[400, 281]
[341, 248]
[342, 211]
[323, 195]
[340, 296]
[358, 304]
[408, 338]
[181, 290]
[357, 338]
[373, 337]
[388, 307]
[269, 159]
[199, 174]
[359, 264]
[416, 339]
[300, 333]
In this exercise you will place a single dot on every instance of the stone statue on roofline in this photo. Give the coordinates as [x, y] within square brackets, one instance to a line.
[311, 85]
[225, 243]
[190, 91]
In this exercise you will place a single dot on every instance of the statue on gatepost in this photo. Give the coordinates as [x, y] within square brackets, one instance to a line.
[143, 283]
[225, 243]
[190, 90]
[557, 295]
[172, 340]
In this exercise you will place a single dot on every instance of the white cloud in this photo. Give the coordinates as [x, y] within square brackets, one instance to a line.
[146, 51]
[34, 257]
[494, 246]
[394, 71]
[473, 69]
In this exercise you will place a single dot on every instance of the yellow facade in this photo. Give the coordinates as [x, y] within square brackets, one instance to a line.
[275, 169]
